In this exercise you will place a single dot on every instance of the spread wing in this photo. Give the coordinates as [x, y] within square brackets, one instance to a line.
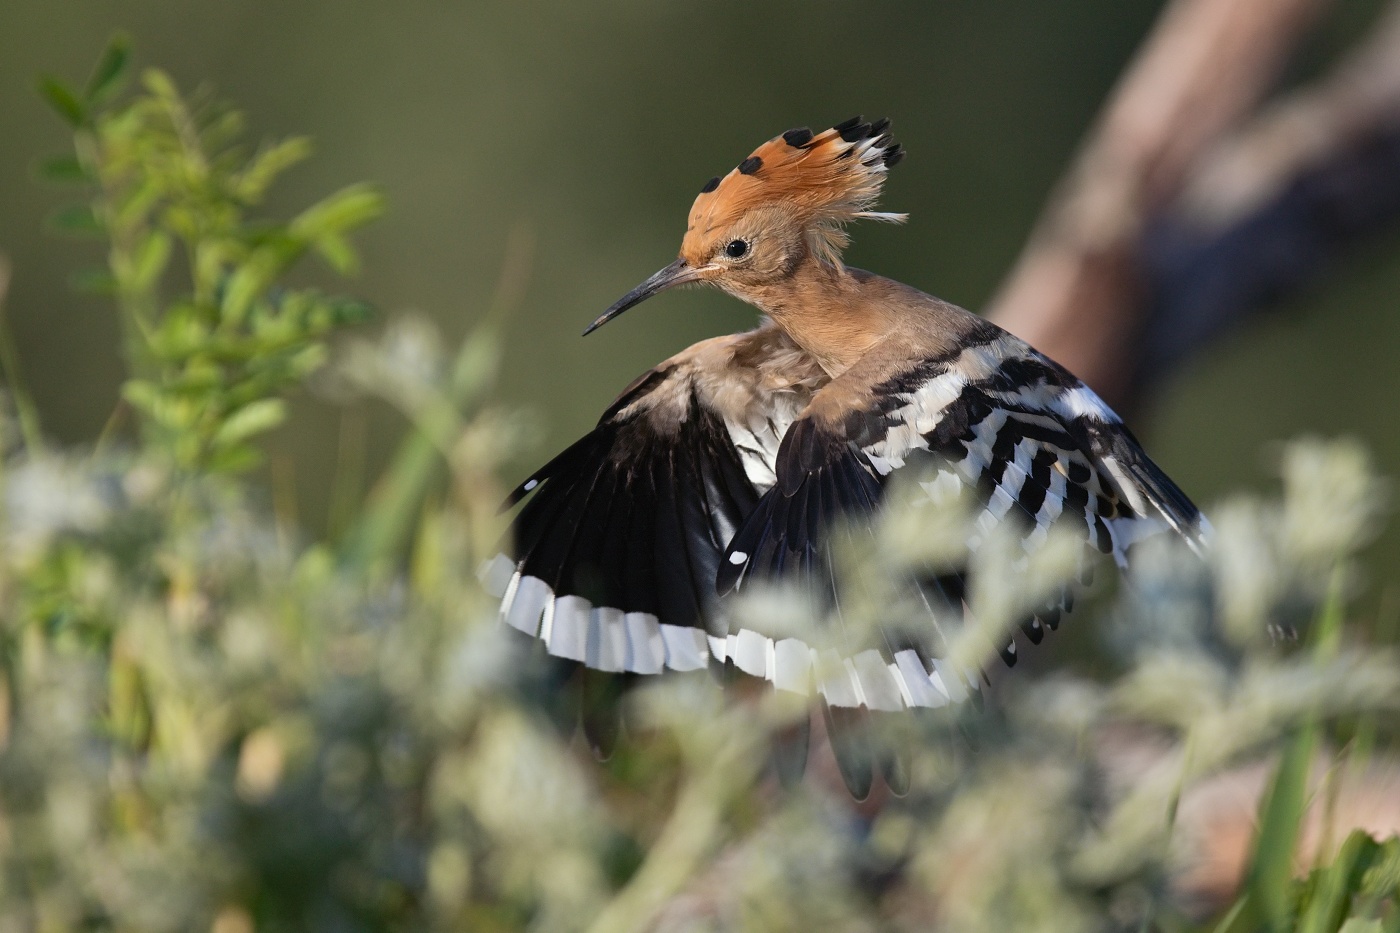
[723, 465]
[619, 543]
[995, 420]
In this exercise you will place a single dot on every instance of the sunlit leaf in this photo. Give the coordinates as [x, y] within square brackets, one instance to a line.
[254, 418]
[339, 213]
[159, 83]
[141, 394]
[268, 164]
[150, 259]
[338, 253]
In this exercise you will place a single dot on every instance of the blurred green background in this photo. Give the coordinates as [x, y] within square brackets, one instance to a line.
[585, 130]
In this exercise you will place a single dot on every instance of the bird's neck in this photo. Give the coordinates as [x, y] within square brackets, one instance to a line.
[827, 310]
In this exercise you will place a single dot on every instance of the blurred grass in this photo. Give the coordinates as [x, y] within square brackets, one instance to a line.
[209, 723]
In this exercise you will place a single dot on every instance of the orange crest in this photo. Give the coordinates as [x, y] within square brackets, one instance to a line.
[829, 179]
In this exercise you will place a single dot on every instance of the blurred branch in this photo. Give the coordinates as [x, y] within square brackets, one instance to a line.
[1077, 290]
[1304, 130]
[1276, 202]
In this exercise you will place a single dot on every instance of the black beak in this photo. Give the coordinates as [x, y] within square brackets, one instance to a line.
[677, 273]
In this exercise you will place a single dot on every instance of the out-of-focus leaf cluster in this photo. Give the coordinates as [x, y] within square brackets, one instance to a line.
[210, 342]
[208, 723]
[201, 723]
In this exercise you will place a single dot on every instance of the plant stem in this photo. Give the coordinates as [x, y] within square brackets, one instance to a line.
[24, 403]
[384, 527]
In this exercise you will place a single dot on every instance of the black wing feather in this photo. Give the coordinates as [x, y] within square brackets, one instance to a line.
[634, 516]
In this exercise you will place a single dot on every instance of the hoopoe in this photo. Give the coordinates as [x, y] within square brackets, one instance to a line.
[728, 461]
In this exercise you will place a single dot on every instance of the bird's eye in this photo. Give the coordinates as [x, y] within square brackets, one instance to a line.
[736, 249]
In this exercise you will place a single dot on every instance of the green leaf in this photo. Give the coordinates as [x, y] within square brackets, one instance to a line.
[159, 84]
[1382, 879]
[180, 334]
[63, 169]
[133, 207]
[242, 289]
[149, 261]
[338, 253]
[76, 220]
[141, 394]
[221, 125]
[1328, 893]
[309, 359]
[339, 213]
[350, 311]
[1271, 873]
[253, 418]
[268, 164]
[63, 100]
[110, 73]
[234, 460]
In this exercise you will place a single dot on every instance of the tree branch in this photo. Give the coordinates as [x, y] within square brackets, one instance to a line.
[1077, 291]
[1275, 202]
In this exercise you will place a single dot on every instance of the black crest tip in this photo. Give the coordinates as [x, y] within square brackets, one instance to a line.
[797, 138]
[879, 126]
[894, 155]
[845, 125]
[856, 133]
[750, 166]
[710, 185]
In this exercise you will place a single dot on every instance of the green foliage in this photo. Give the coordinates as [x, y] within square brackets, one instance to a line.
[212, 340]
[1359, 890]
[204, 725]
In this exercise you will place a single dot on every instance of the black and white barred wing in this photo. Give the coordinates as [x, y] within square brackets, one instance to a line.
[1033, 448]
[1040, 446]
[617, 547]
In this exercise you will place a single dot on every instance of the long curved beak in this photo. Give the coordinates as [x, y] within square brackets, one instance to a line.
[677, 273]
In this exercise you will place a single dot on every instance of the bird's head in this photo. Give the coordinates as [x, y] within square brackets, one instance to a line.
[786, 203]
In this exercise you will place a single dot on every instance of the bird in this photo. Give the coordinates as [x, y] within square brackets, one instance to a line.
[733, 461]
